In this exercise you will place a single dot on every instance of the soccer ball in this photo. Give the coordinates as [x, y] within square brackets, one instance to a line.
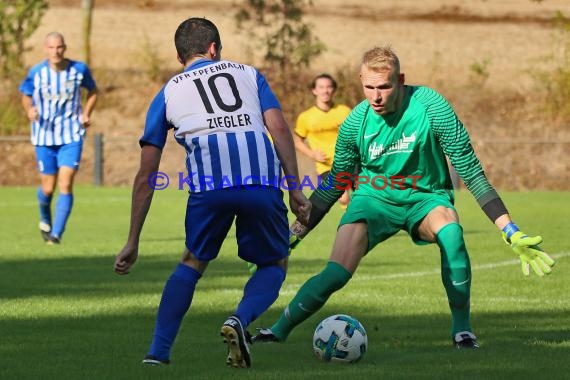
[340, 338]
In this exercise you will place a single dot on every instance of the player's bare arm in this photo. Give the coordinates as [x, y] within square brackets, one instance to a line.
[141, 201]
[90, 102]
[285, 148]
[31, 111]
[303, 147]
[323, 199]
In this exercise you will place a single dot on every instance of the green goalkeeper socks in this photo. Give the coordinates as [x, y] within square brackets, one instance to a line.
[456, 275]
[310, 298]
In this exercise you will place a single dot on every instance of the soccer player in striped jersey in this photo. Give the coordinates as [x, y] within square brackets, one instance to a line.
[51, 96]
[220, 112]
[400, 137]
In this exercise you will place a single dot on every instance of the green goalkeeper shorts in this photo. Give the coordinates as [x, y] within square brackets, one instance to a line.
[385, 219]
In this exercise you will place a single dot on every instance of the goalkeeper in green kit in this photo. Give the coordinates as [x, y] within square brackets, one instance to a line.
[399, 137]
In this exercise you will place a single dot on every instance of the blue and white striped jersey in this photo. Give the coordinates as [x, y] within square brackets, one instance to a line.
[57, 97]
[216, 109]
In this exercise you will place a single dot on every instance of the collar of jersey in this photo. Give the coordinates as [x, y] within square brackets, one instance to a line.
[199, 63]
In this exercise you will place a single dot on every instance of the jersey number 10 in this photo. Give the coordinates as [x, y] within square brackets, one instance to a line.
[216, 93]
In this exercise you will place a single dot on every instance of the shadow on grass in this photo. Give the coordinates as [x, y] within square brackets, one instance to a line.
[527, 344]
[413, 347]
[94, 276]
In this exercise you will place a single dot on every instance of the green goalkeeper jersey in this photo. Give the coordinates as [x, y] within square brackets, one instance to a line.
[402, 156]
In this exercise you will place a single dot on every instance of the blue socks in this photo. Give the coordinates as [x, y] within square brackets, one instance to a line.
[45, 206]
[62, 211]
[261, 290]
[176, 299]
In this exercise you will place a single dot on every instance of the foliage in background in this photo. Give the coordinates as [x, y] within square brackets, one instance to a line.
[556, 82]
[18, 20]
[150, 61]
[288, 42]
[288, 45]
[13, 120]
[349, 88]
[480, 72]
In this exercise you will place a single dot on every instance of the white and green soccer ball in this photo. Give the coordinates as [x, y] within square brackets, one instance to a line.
[340, 338]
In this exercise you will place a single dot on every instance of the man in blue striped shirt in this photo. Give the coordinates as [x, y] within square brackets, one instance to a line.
[220, 112]
[51, 96]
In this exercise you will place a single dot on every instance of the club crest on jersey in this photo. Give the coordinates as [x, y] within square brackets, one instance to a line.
[70, 84]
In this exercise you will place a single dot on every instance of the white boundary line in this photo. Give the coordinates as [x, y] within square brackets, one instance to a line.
[438, 271]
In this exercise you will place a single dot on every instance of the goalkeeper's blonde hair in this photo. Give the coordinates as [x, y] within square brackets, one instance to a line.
[381, 58]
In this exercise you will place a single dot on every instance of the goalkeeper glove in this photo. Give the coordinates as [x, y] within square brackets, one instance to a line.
[251, 267]
[294, 240]
[528, 250]
[297, 231]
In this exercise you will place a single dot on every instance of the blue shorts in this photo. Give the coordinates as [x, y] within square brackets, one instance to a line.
[262, 229]
[51, 158]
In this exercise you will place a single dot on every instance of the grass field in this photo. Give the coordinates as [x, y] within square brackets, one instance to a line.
[64, 314]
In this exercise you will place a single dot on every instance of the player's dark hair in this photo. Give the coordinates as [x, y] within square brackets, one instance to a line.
[323, 75]
[193, 37]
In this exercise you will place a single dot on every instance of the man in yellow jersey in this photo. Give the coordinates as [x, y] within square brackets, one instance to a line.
[317, 127]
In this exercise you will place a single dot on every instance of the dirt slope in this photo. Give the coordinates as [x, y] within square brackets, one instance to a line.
[440, 43]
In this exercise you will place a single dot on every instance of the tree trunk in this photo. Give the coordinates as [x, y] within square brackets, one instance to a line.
[87, 8]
